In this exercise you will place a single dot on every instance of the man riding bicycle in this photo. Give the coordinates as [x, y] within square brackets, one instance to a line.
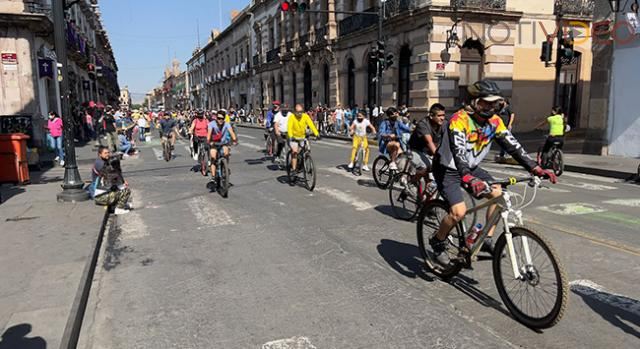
[297, 132]
[279, 127]
[425, 141]
[168, 129]
[199, 129]
[465, 143]
[359, 131]
[390, 134]
[219, 135]
[556, 131]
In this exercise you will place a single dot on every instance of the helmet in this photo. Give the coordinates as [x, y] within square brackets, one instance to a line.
[488, 90]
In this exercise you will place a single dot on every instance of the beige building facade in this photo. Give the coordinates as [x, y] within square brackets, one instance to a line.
[322, 58]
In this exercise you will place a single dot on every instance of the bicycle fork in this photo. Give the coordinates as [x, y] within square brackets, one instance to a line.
[517, 274]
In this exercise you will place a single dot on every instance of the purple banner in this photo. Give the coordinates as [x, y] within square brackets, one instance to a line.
[45, 68]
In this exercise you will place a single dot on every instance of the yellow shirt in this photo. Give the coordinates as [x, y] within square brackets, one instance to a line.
[556, 125]
[297, 127]
[227, 119]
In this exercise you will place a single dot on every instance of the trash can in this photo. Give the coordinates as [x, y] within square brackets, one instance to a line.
[13, 158]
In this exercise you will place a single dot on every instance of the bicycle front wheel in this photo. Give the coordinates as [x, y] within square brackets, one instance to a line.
[167, 150]
[538, 296]
[381, 172]
[558, 162]
[309, 173]
[202, 160]
[404, 197]
[223, 181]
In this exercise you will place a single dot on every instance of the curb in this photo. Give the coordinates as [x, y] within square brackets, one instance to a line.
[71, 332]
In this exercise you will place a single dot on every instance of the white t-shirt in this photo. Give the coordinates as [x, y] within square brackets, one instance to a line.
[339, 113]
[282, 121]
[142, 122]
[361, 127]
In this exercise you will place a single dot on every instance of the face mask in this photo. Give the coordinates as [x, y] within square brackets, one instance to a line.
[360, 119]
[50, 116]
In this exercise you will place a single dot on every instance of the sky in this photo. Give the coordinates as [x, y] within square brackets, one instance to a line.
[147, 34]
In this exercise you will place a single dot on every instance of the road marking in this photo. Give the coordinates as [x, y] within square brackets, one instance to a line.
[619, 217]
[132, 226]
[158, 153]
[572, 209]
[290, 343]
[588, 186]
[341, 172]
[624, 202]
[246, 136]
[590, 289]
[251, 146]
[360, 205]
[332, 144]
[208, 213]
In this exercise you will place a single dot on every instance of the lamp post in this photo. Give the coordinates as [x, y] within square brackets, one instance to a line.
[615, 5]
[72, 185]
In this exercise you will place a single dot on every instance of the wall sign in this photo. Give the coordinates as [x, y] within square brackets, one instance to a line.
[9, 58]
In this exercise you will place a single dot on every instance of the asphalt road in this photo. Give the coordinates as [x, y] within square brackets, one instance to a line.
[332, 269]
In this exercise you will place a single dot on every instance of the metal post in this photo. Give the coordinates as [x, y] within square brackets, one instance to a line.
[72, 185]
[559, 37]
[379, 70]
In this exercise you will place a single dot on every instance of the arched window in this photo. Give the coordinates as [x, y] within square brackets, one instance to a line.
[307, 87]
[471, 66]
[325, 79]
[404, 73]
[372, 91]
[351, 83]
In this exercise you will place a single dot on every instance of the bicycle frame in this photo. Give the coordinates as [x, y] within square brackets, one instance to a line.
[503, 210]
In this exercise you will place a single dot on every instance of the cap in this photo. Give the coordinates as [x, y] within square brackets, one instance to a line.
[276, 103]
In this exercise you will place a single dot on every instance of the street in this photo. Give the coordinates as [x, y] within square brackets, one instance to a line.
[333, 269]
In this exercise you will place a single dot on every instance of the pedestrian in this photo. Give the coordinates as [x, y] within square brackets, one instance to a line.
[508, 117]
[109, 124]
[339, 119]
[142, 126]
[88, 124]
[124, 145]
[54, 125]
[108, 186]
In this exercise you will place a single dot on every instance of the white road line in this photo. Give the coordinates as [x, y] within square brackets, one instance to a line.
[572, 209]
[624, 202]
[332, 144]
[341, 172]
[360, 205]
[188, 149]
[251, 146]
[246, 136]
[208, 213]
[132, 226]
[158, 153]
[587, 186]
[590, 289]
[290, 343]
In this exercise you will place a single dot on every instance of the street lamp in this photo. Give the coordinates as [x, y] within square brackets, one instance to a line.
[615, 6]
[72, 185]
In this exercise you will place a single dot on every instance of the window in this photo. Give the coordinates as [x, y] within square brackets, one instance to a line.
[294, 87]
[273, 89]
[325, 78]
[307, 87]
[351, 83]
[471, 67]
[404, 74]
[372, 92]
[281, 88]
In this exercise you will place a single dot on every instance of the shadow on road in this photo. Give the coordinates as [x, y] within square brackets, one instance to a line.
[619, 311]
[403, 258]
[15, 337]
[367, 183]
[467, 286]
[259, 161]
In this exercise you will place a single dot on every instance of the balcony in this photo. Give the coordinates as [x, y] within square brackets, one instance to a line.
[395, 7]
[320, 34]
[578, 8]
[272, 55]
[38, 7]
[354, 23]
[480, 4]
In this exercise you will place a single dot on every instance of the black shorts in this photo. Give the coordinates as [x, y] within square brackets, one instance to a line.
[450, 183]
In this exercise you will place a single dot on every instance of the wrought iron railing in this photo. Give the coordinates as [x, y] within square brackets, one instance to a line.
[581, 8]
[480, 4]
[38, 7]
[395, 7]
[320, 35]
[272, 55]
[356, 22]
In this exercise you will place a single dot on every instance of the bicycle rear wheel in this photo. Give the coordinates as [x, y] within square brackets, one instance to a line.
[269, 145]
[202, 160]
[381, 172]
[558, 162]
[539, 298]
[404, 197]
[357, 167]
[223, 181]
[309, 172]
[429, 219]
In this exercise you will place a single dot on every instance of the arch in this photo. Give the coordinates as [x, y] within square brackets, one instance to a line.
[308, 81]
[404, 76]
[351, 82]
[326, 89]
[471, 66]
[273, 89]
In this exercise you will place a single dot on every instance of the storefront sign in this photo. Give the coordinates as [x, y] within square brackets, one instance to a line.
[9, 58]
[440, 66]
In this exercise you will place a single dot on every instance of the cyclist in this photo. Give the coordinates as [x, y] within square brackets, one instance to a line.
[297, 131]
[465, 143]
[391, 130]
[556, 131]
[280, 123]
[199, 129]
[425, 140]
[359, 131]
[219, 135]
[168, 129]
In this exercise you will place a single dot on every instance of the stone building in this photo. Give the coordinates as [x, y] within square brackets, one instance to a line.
[439, 47]
[125, 98]
[29, 86]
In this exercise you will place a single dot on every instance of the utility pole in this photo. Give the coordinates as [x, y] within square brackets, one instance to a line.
[559, 52]
[72, 185]
[379, 68]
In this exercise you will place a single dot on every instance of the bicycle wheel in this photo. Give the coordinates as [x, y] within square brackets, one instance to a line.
[167, 150]
[404, 196]
[381, 172]
[309, 172]
[269, 145]
[202, 160]
[558, 162]
[539, 298]
[223, 180]
[357, 166]
[429, 219]
[290, 174]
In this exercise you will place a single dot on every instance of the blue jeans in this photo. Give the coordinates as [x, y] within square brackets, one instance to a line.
[125, 148]
[55, 143]
[141, 130]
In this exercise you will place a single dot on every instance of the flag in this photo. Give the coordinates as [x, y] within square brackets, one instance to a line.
[45, 68]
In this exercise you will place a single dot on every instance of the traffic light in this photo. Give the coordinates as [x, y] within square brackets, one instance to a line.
[293, 6]
[389, 61]
[547, 51]
[567, 46]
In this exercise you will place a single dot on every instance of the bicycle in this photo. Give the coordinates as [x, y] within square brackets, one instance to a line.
[553, 159]
[383, 175]
[306, 163]
[223, 172]
[203, 156]
[166, 148]
[407, 196]
[359, 161]
[270, 142]
[514, 252]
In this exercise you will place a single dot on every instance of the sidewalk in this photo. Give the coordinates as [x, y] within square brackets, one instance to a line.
[44, 250]
[606, 166]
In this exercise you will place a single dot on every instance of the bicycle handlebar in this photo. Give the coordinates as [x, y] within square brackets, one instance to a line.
[512, 181]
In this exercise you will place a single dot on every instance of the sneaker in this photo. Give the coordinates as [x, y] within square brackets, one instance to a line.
[351, 166]
[125, 155]
[57, 158]
[61, 162]
[440, 251]
[120, 211]
[365, 168]
[195, 158]
[128, 206]
[393, 166]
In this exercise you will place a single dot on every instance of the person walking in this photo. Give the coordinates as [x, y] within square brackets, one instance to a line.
[508, 117]
[339, 119]
[109, 124]
[54, 125]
